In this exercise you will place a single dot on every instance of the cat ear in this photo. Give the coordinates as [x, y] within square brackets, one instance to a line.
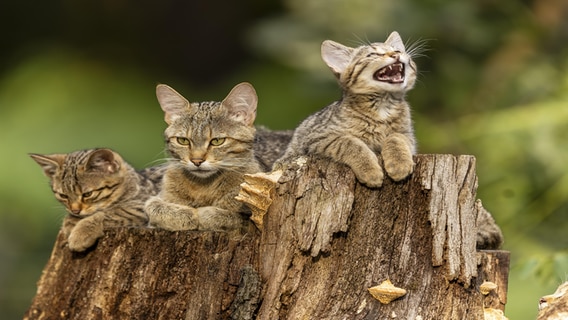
[241, 103]
[336, 56]
[48, 162]
[103, 160]
[173, 104]
[395, 41]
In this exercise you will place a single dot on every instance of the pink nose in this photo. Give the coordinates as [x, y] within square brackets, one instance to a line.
[197, 161]
[76, 208]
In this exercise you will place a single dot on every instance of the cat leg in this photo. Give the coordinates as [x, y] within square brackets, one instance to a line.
[397, 156]
[357, 155]
[217, 219]
[170, 216]
[86, 232]
[69, 222]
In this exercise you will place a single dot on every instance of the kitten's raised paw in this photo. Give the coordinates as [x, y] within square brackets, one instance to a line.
[399, 170]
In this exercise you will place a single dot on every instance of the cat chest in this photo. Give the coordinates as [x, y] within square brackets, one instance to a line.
[373, 135]
[201, 193]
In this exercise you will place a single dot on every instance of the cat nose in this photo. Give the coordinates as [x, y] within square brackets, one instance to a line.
[542, 303]
[197, 161]
[76, 208]
[394, 55]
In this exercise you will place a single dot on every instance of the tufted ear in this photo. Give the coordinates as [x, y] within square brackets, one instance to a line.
[49, 162]
[103, 160]
[173, 104]
[336, 56]
[395, 41]
[241, 103]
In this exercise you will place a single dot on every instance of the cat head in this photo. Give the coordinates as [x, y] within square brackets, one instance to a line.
[209, 137]
[372, 68]
[84, 181]
[558, 298]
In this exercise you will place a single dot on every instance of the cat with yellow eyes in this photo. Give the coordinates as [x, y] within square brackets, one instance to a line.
[211, 144]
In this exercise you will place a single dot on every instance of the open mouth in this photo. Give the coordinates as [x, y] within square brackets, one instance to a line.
[393, 73]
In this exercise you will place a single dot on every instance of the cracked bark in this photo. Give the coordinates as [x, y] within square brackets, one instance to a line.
[324, 241]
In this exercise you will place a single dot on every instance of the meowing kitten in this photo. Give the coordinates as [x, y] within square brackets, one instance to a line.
[99, 190]
[371, 127]
[212, 144]
[371, 124]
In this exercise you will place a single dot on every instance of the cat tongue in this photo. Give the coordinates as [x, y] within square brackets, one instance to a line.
[392, 73]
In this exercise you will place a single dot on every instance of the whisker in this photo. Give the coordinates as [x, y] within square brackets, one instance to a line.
[159, 161]
[359, 41]
[417, 48]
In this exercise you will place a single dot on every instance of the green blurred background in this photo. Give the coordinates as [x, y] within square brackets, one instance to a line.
[81, 74]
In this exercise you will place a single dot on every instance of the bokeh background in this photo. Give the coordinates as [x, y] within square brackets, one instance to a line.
[81, 74]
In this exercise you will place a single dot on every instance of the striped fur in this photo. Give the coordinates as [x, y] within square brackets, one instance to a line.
[212, 148]
[370, 127]
[99, 190]
[554, 306]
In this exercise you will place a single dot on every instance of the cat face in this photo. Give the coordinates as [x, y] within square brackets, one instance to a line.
[210, 137]
[84, 181]
[553, 299]
[377, 67]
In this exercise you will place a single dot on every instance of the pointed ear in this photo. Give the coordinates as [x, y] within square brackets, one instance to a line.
[103, 160]
[173, 104]
[49, 162]
[241, 103]
[395, 41]
[336, 56]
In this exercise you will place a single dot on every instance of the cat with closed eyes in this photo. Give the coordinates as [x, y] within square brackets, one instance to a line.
[99, 190]
[370, 128]
[212, 145]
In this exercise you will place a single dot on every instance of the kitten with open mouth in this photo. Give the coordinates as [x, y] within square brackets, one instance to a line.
[393, 73]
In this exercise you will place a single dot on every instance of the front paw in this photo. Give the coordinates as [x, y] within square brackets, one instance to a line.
[372, 178]
[169, 216]
[79, 241]
[399, 169]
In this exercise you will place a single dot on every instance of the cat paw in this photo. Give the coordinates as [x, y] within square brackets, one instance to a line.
[80, 242]
[399, 170]
[372, 178]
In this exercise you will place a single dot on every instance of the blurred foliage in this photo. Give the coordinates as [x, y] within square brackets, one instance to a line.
[493, 83]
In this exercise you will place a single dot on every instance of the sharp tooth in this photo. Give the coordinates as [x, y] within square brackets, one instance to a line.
[390, 67]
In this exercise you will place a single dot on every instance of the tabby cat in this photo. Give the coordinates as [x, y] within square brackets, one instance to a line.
[371, 124]
[212, 146]
[554, 306]
[370, 127]
[99, 190]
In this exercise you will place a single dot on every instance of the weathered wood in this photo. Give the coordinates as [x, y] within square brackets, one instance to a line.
[146, 274]
[327, 239]
[494, 267]
[324, 241]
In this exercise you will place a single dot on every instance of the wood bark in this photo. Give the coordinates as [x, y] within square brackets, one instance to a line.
[325, 240]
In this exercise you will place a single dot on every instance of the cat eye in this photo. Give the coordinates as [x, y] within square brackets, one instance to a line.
[217, 141]
[183, 141]
[61, 195]
[87, 194]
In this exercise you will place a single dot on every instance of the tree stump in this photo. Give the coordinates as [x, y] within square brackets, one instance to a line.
[324, 241]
